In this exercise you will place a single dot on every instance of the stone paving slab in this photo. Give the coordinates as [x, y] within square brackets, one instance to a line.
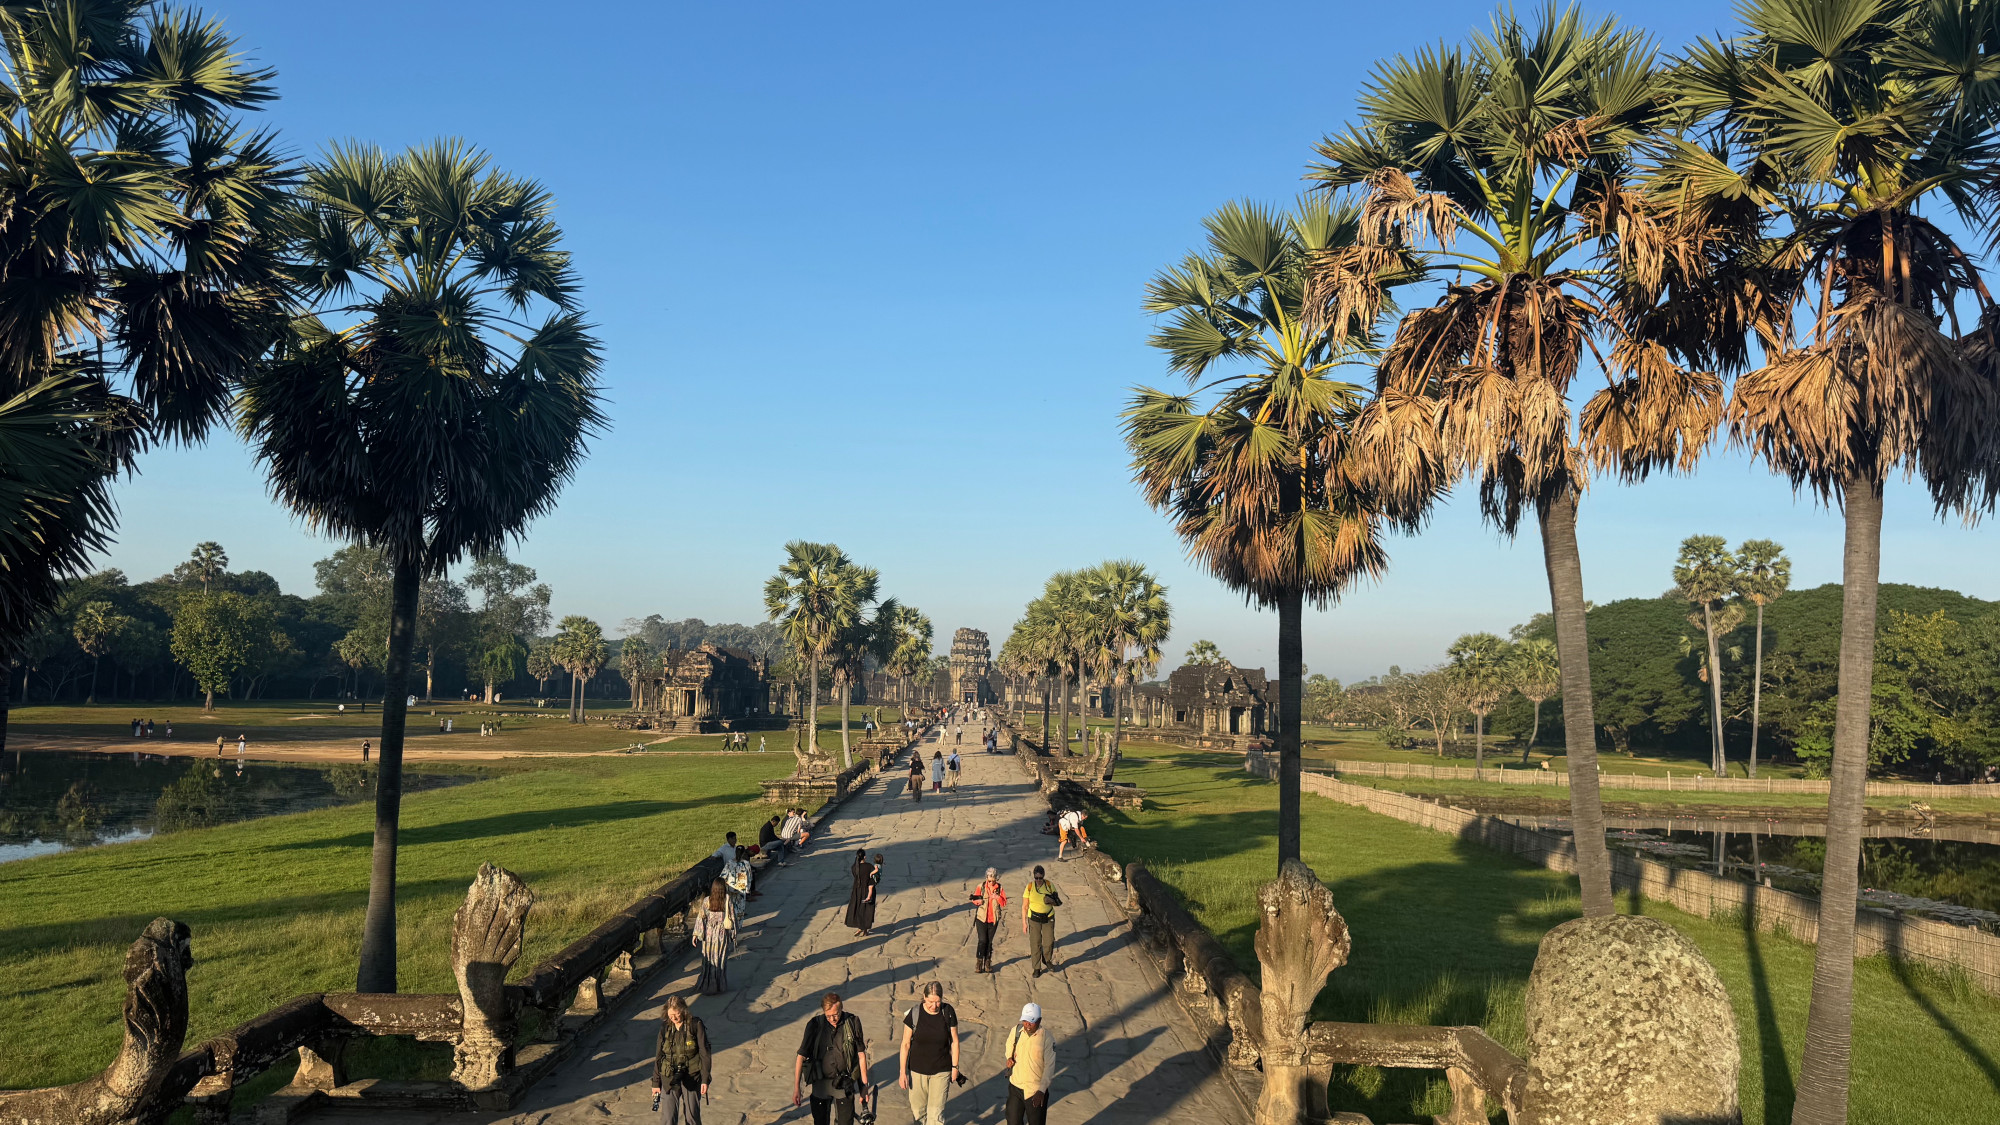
[1126, 1052]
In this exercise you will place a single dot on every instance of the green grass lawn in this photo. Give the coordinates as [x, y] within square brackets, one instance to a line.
[275, 904]
[1445, 933]
[318, 725]
[1320, 740]
[1424, 787]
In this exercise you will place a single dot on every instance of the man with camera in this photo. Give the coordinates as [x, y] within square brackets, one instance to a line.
[680, 1066]
[930, 1056]
[833, 1054]
[1031, 1064]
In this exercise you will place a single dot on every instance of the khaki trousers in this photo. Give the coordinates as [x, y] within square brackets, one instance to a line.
[927, 1096]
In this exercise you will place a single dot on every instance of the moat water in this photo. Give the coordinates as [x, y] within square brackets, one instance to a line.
[57, 801]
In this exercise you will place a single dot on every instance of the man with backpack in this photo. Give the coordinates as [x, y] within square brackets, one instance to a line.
[1038, 921]
[834, 1055]
[1031, 1064]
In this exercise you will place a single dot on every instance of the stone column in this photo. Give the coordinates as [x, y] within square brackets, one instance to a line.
[486, 936]
[1301, 940]
[1628, 1024]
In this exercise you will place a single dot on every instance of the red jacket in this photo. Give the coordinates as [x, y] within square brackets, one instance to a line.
[990, 905]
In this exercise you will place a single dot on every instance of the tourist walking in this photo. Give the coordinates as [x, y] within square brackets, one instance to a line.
[241, 744]
[833, 1057]
[951, 767]
[715, 935]
[1070, 824]
[930, 1055]
[937, 771]
[1031, 1063]
[989, 900]
[218, 746]
[916, 775]
[681, 1065]
[736, 876]
[364, 749]
[1038, 920]
[861, 894]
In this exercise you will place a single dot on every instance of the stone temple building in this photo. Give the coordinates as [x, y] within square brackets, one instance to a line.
[709, 689]
[970, 668]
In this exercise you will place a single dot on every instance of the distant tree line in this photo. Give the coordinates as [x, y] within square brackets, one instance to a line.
[1662, 669]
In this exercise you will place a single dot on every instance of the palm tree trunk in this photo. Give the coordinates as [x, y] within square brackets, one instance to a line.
[1062, 690]
[1823, 1074]
[1045, 713]
[1586, 811]
[846, 695]
[1291, 681]
[96, 663]
[378, 927]
[6, 704]
[1720, 761]
[1533, 731]
[1478, 740]
[812, 709]
[1757, 691]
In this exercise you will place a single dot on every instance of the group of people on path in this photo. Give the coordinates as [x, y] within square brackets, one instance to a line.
[143, 728]
[830, 1070]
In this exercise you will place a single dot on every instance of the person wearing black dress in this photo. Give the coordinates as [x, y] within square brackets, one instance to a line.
[917, 775]
[861, 894]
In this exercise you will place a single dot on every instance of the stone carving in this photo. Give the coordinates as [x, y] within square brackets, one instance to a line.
[1300, 941]
[486, 936]
[156, 1021]
[1628, 1024]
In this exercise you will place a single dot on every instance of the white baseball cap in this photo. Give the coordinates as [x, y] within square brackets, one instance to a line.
[1031, 1013]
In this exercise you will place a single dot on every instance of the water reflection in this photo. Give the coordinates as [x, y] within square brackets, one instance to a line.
[1950, 872]
[53, 801]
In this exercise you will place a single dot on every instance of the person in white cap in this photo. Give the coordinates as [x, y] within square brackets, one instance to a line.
[1031, 1063]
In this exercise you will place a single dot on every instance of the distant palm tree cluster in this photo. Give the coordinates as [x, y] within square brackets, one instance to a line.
[820, 600]
[396, 335]
[1750, 207]
[1105, 622]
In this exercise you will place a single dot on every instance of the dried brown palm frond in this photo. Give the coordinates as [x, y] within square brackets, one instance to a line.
[1883, 387]
[1659, 416]
[1394, 451]
[1396, 213]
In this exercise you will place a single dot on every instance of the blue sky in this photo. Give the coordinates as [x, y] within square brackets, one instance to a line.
[871, 274]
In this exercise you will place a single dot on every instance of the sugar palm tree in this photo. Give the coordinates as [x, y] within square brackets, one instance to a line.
[579, 647]
[814, 598]
[134, 236]
[1508, 165]
[1705, 573]
[1135, 615]
[97, 628]
[1257, 480]
[431, 402]
[1479, 664]
[1202, 652]
[911, 651]
[1836, 122]
[635, 663]
[1533, 670]
[1762, 574]
[1032, 648]
[869, 638]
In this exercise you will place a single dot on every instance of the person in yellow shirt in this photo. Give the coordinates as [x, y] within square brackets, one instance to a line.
[1031, 1064]
[1038, 921]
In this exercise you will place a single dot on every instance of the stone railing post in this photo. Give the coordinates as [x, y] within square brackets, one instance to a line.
[156, 1022]
[1301, 940]
[486, 936]
[1628, 1023]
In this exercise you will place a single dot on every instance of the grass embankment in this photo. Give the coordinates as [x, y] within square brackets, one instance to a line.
[1320, 740]
[315, 728]
[275, 905]
[1445, 933]
[1650, 799]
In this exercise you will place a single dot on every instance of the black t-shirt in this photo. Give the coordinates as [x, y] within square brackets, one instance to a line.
[767, 835]
[930, 1038]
